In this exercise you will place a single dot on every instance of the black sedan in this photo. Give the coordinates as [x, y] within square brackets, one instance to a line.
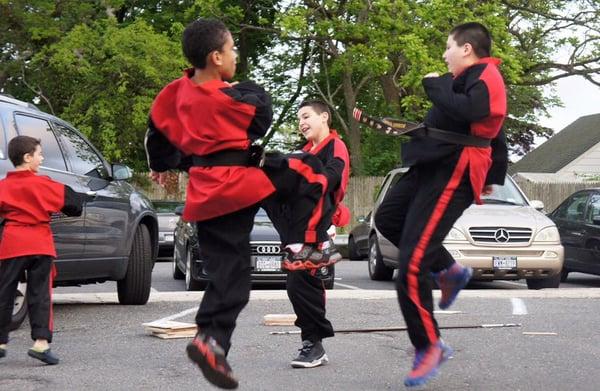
[578, 222]
[358, 238]
[265, 261]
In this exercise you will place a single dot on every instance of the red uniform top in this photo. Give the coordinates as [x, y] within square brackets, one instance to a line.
[26, 202]
[336, 167]
[201, 119]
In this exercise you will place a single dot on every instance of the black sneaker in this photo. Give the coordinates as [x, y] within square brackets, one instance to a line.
[309, 258]
[311, 355]
[46, 356]
[2, 352]
[210, 357]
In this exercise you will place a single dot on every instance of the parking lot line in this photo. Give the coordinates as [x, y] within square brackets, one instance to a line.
[347, 286]
[518, 306]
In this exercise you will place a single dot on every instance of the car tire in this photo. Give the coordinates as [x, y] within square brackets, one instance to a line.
[564, 273]
[177, 273]
[378, 271]
[353, 250]
[135, 287]
[20, 309]
[192, 284]
[541, 283]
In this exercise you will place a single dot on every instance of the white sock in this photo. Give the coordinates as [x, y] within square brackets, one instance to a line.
[295, 247]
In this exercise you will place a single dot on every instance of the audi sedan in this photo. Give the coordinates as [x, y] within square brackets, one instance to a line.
[506, 238]
[265, 261]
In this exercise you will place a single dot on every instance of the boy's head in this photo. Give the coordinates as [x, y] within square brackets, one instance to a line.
[207, 43]
[314, 119]
[25, 152]
[466, 44]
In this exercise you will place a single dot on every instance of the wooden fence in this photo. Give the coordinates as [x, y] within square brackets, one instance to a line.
[551, 193]
[359, 198]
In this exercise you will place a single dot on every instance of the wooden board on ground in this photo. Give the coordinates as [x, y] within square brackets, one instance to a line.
[279, 319]
[168, 329]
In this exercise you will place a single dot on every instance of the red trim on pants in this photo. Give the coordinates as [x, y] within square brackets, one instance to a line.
[415, 261]
[308, 173]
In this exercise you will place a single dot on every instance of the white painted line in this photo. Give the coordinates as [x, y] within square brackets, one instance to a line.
[360, 294]
[514, 283]
[153, 290]
[518, 306]
[177, 315]
[347, 286]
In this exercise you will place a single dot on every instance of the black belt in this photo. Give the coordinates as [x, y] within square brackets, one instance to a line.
[453, 137]
[227, 157]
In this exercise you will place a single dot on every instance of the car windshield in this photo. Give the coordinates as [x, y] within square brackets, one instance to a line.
[261, 216]
[508, 194]
[166, 206]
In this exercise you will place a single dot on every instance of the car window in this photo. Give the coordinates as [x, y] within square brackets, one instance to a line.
[2, 142]
[166, 206]
[574, 208]
[82, 157]
[507, 194]
[593, 210]
[39, 128]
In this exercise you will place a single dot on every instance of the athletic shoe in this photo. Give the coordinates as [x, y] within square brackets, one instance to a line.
[451, 281]
[46, 356]
[311, 355]
[2, 352]
[309, 258]
[427, 363]
[210, 357]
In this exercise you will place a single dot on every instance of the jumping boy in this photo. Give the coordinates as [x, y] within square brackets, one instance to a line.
[26, 202]
[444, 178]
[304, 286]
[206, 125]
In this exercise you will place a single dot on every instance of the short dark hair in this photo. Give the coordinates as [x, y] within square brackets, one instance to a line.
[318, 106]
[475, 34]
[20, 146]
[202, 37]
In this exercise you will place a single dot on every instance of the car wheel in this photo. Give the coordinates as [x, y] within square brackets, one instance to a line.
[541, 283]
[177, 273]
[564, 273]
[378, 271]
[352, 250]
[190, 283]
[135, 287]
[20, 309]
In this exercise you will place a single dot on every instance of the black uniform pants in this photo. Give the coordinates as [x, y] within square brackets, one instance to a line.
[417, 214]
[39, 294]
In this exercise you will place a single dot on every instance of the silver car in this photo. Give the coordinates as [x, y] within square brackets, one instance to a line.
[506, 238]
[167, 221]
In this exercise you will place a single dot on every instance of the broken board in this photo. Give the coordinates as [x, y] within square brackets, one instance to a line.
[169, 329]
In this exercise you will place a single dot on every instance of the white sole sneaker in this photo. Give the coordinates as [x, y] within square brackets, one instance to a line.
[315, 363]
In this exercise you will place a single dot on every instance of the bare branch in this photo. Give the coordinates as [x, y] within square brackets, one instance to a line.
[38, 91]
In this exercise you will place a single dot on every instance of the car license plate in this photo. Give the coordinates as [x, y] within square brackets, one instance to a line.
[267, 263]
[505, 263]
[168, 238]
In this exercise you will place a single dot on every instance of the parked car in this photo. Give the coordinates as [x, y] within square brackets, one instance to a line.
[265, 261]
[506, 238]
[116, 236]
[358, 238]
[167, 221]
[578, 221]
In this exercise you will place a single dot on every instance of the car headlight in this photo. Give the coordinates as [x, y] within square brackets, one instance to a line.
[455, 236]
[548, 234]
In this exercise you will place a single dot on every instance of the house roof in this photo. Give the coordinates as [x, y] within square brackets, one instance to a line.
[562, 148]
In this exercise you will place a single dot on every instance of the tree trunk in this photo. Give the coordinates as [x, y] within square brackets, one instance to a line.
[353, 128]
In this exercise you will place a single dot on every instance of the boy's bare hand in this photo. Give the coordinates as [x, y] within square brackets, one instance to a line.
[432, 74]
[487, 190]
[159, 177]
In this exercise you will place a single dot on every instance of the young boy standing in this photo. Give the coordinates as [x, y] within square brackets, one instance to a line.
[206, 125]
[304, 287]
[26, 202]
[443, 180]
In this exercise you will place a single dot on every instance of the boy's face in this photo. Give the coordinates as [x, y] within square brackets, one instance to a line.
[227, 58]
[312, 125]
[34, 160]
[457, 58]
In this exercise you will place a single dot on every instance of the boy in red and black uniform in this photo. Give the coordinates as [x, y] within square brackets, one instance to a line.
[205, 125]
[26, 203]
[443, 180]
[305, 289]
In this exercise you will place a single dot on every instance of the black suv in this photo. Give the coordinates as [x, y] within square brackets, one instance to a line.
[116, 237]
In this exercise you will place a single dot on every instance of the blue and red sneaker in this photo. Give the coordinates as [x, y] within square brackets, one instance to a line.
[427, 363]
[451, 281]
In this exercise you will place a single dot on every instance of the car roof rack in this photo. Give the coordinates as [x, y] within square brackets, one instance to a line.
[10, 99]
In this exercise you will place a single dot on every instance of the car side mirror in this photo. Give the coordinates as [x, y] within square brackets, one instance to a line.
[121, 172]
[179, 210]
[537, 205]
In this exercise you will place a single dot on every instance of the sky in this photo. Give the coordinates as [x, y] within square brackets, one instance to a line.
[579, 96]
